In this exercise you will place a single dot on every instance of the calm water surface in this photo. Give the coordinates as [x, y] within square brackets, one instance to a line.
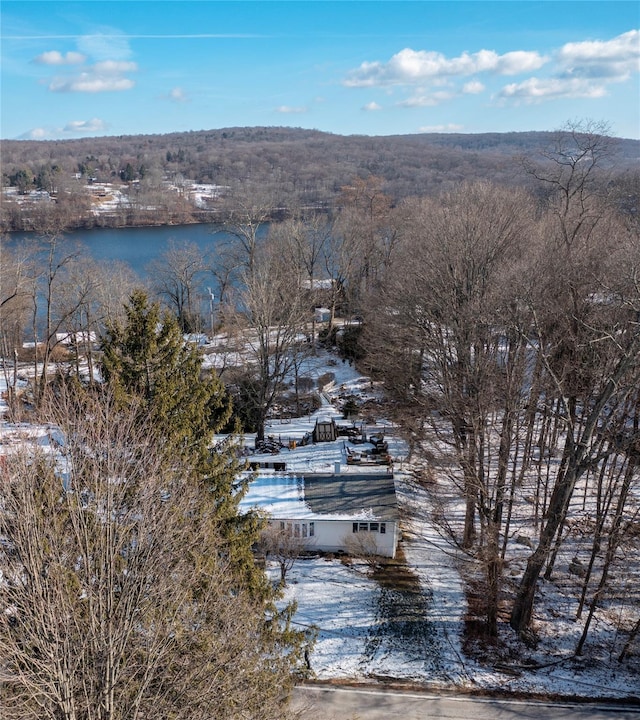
[138, 246]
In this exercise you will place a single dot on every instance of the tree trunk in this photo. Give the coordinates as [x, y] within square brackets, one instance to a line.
[632, 636]
[612, 546]
[523, 605]
[578, 458]
[494, 573]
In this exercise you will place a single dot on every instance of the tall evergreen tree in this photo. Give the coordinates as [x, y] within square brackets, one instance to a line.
[147, 359]
[147, 365]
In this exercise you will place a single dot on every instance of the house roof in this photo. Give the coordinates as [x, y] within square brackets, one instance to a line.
[330, 497]
[347, 494]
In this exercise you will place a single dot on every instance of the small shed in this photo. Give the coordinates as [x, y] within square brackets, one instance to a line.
[325, 431]
[322, 314]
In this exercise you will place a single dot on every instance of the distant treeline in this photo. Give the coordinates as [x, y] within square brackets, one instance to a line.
[308, 167]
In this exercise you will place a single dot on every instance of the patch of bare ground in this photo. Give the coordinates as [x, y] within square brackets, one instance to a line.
[394, 572]
[477, 643]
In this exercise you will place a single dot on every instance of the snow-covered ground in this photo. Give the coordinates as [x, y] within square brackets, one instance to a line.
[107, 197]
[368, 630]
[359, 638]
[357, 642]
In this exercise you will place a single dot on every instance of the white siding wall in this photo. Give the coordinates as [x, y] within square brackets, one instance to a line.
[336, 535]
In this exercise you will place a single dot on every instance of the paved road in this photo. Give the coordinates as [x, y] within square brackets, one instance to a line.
[334, 703]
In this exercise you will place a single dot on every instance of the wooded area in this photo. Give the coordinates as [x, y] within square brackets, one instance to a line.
[128, 584]
[300, 168]
[502, 318]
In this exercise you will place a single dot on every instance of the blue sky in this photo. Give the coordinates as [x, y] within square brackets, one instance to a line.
[119, 67]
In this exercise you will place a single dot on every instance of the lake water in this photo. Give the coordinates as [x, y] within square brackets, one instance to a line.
[138, 246]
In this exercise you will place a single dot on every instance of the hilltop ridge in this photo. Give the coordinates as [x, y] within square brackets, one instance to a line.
[311, 161]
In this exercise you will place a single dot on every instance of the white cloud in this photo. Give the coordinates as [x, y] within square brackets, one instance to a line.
[612, 60]
[104, 76]
[451, 127]
[372, 107]
[583, 70]
[409, 67]
[474, 87]
[110, 70]
[91, 84]
[73, 128]
[106, 45]
[178, 95]
[575, 70]
[427, 100]
[54, 57]
[85, 126]
[535, 90]
[114, 67]
[35, 134]
[289, 110]
[518, 62]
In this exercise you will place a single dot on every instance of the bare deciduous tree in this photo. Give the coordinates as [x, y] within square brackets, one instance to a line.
[275, 314]
[54, 258]
[366, 236]
[449, 330]
[177, 276]
[248, 209]
[281, 543]
[16, 269]
[584, 330]
[118, 599]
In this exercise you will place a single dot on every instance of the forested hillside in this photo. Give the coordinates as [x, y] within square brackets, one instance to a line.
[303, 167]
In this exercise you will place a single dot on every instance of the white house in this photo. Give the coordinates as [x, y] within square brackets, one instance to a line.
[331, 511]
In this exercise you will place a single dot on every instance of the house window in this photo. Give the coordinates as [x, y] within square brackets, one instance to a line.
[369, 527]
[304, 530]
[297, 530]
[281, 525]
[312, 529]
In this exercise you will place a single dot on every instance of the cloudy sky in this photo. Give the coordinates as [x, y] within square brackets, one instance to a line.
[117, 67]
